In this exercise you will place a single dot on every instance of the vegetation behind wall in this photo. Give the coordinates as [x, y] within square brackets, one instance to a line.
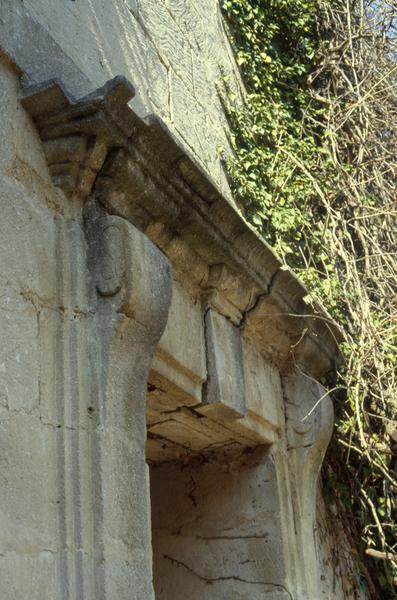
[314, 168]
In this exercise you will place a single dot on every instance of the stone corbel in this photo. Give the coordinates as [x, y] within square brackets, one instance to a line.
[309, 419]
[115, 249]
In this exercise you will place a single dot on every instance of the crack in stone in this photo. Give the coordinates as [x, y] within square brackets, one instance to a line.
[211, 580]
[191, 495]
[259, 536]
[259, 298]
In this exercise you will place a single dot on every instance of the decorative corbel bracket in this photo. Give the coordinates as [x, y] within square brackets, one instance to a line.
[130, 272]
[131, 294]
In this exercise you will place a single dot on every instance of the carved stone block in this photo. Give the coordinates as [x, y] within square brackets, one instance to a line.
[77, 134]
[224, 396]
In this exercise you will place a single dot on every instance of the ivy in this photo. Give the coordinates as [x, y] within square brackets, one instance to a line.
[273, 135]
[307, 169]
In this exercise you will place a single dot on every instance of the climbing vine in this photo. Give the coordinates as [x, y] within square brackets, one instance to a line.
[313, 168]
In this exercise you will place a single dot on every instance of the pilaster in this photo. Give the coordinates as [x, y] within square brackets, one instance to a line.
[309, 420]
[114, 287]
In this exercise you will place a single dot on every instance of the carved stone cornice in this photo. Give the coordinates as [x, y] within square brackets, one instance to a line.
[141, 173]
[78, 134]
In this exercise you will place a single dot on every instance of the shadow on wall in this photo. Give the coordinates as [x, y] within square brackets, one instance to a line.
[216, 529]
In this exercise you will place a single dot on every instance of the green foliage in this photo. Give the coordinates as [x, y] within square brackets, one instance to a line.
[299, 176]
[277, 136]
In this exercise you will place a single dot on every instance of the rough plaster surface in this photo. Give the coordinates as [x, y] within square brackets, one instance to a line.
[173, 51]
[217, 531]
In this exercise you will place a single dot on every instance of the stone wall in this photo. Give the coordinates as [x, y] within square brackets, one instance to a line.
[217, 530]
[173, 51]
[29, 305]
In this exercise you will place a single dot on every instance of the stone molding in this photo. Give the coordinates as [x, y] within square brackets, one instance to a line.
[139, 172]
[309, 425]
[77, 135]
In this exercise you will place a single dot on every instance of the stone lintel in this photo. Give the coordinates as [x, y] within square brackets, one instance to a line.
[209, 390]
[142, 174]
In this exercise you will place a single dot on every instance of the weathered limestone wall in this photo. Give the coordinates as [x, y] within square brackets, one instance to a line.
[217, 531]
[29, 304]
[173, 51]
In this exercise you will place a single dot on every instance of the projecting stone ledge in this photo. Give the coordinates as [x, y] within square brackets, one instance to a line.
[142, 174]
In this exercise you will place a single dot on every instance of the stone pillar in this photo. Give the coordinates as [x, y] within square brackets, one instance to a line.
[113, 293]
[132, 281]
[28, 307]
